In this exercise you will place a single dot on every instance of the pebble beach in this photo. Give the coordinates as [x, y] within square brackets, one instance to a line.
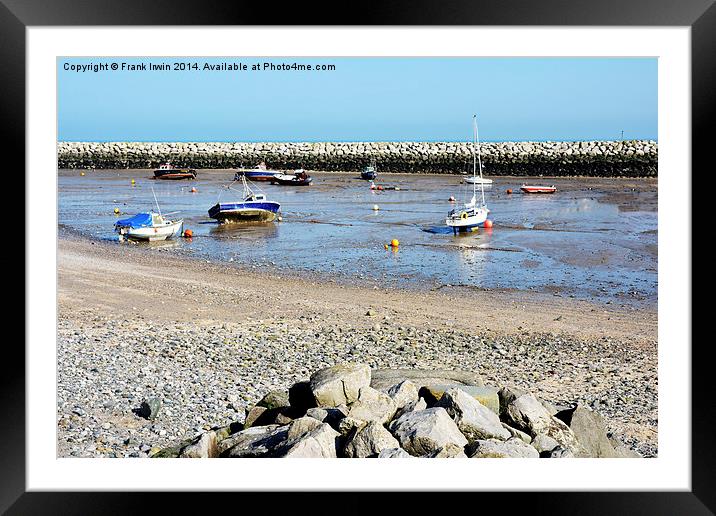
[210, 339]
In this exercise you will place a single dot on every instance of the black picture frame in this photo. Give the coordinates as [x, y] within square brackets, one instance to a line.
[700, 15]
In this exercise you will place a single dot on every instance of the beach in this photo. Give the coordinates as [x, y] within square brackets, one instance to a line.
[211, 337]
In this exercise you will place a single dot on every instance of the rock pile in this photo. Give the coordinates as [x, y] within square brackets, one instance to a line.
[342, 412]
[633, 158]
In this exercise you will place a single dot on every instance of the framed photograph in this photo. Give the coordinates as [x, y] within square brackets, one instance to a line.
[436, 234]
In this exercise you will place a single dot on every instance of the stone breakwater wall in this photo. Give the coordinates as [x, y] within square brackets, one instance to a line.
[632, 158]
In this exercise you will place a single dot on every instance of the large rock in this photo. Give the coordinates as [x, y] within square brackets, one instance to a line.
[318, 443]
[403, 393]
[204, 447]
[256, 441]
[411, 407]
[274, 400]
[529, 415]
[426, 431]
[512, 448]
[487, 396]
[339, 384]
[544, 443]
[382, 379]
[394, 453]
[301, 426]
[372, 405]
[369, 441]
[449, 451]
[589, 429]
[473, 419]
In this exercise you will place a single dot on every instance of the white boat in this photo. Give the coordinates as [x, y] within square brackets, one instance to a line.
[149, 226]
[470, 215]
[478, 180]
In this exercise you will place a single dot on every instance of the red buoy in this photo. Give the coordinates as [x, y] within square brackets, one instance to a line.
[488, 223]
[509, 190]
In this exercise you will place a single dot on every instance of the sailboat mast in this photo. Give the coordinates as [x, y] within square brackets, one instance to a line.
[156, 202]
[479, 159]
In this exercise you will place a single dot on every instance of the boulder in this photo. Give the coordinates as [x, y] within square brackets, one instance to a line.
[517, 433]
[507, 395]
[527, 414]
[544, 443]
[203, 447]
[372, 405]
[426, 431]
[274, 399]
[339, 384]
[348, 424]
[403, 393]
[474, 420]
[394, 453]
[487, 396]
[301, 426]
[382, 379]
[411, 407]
[492, 448]
[256, 441]
[560, 453]
[589, 428]
[449, 451]
[318, 443]
[369, 441]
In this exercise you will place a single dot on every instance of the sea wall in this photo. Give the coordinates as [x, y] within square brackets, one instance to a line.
[632, 158]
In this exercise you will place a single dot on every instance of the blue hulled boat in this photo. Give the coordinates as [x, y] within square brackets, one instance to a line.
[258, 173]
[369, 173]
[253, 207]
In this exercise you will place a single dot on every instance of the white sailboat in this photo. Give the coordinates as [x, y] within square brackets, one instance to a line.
[471, 215]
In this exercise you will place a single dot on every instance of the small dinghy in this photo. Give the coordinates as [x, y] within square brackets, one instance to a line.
[539, 189]
[298, 178]
[148, 226]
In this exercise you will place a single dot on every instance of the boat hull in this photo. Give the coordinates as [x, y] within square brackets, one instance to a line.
[255, 175]
[538, 189]
[265, 211]
[478, 181]
[152, 234]
[463, 223]
[291, 182]
[368, 176]
[174, 174]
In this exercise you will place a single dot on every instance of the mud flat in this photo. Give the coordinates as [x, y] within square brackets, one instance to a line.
[210, 339]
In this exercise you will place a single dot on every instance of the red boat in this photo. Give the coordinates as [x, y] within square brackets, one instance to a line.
[538, 189]
[166, 171]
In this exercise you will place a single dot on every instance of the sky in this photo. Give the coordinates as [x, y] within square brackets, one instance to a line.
[361, 99]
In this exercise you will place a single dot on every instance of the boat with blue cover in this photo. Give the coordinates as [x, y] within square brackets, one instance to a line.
[252, 207]
[149, 226]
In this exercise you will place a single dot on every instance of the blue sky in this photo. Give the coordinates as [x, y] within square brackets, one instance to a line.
[363, 99]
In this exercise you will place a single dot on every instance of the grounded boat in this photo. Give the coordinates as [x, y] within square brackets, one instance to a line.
[538, 189]
[298, 178]
[148, 226]
[253, 207]
[369, 173]
[478, 180]
[167, 171]
[470, 215]
[258, 173]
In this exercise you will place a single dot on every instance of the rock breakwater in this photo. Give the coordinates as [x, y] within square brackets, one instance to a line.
[632, 158]
[339, 412]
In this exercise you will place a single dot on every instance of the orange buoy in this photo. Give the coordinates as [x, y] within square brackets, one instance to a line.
[386, 246]
[193, 190]
[509, 190]
[451, 199]
[488, 223]
[394, 243]
[188, 233]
